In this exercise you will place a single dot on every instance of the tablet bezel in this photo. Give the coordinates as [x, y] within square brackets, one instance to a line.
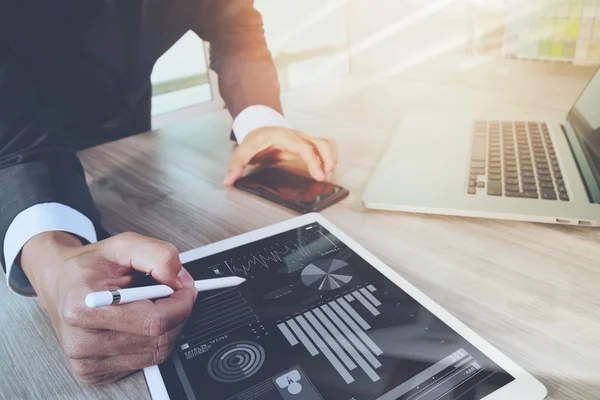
[525, 386]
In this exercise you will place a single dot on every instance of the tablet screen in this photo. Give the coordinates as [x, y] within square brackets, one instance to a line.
[316, 321]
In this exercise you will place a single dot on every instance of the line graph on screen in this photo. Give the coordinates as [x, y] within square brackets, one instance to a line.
[292, 253]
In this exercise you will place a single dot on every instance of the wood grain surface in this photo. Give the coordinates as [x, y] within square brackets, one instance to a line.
[529, 289]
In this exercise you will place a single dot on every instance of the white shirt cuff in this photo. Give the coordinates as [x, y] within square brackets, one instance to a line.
[254, 117]
[34, 220]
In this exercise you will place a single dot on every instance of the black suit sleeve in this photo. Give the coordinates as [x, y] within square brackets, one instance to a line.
[239, 54]
[35, 165]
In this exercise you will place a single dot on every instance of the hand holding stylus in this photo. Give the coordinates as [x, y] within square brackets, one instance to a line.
[105, 344]
[123, 296]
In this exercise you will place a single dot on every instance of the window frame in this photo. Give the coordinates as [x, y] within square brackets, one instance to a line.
[194, 110]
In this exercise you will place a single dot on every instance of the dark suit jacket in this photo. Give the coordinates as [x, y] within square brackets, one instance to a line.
[76, 73]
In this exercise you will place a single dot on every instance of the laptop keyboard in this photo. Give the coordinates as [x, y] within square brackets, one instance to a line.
[515, 159]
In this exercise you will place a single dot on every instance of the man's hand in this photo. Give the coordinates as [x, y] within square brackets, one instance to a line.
[282, 144]
[105, 344]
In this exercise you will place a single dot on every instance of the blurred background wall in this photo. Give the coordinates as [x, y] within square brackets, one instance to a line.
[317, 40]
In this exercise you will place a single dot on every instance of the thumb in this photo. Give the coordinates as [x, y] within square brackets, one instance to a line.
[242, 156]
[233, 175]
[151, 256]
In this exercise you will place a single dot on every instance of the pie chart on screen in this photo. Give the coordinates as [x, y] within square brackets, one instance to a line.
[328, 274]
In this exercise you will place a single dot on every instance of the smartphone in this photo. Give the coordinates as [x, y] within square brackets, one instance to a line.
[296, 192]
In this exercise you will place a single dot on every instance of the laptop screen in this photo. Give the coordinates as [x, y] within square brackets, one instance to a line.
[585, 120]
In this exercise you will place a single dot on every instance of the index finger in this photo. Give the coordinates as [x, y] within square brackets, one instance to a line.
[151, 256]
[327, 152]
[303, 148]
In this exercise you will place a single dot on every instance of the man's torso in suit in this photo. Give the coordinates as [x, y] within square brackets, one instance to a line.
[76, 73]
[94, 58]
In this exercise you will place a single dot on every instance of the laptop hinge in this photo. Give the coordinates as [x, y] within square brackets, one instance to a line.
[591, 186]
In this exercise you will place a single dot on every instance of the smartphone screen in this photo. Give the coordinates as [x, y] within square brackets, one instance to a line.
[298, 192]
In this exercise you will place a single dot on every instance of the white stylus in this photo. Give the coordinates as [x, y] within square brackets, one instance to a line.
[122, 296]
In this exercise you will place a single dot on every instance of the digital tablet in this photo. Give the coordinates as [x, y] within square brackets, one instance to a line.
[321, 318]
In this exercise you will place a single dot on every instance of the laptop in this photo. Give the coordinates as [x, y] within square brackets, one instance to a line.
[501, 166]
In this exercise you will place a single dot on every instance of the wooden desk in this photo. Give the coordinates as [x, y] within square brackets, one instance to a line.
[529, 289]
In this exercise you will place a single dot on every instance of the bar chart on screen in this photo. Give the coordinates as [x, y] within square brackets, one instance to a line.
[337, 331]
[215, 316]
